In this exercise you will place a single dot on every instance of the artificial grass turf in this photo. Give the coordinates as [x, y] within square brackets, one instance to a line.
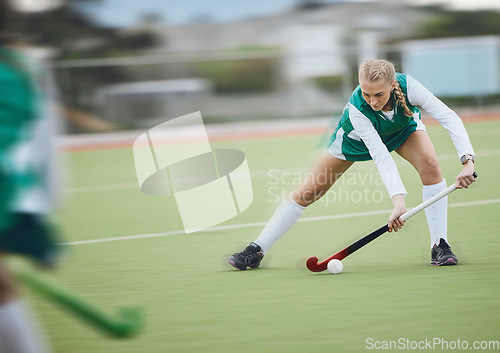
[193, 301]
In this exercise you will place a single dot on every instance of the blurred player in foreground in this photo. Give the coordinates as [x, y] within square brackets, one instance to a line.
[27, 179]
[381, 116]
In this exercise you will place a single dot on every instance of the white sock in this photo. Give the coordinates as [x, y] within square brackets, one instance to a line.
[282, 220]
[17, 330]
[437, 213]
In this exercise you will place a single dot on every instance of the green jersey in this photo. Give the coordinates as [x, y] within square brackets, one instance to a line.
[26, 127]
[346, 143]
[17, 109]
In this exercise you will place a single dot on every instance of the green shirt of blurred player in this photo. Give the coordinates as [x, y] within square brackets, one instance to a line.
[17, 110]
[27, 168]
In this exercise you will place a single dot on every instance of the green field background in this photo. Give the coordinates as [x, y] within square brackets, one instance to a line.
[192, 301]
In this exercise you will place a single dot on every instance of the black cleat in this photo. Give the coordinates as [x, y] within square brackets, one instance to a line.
[441, 255]
[250, 257]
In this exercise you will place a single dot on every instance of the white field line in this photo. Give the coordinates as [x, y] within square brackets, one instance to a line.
[107, 187]
[255, 174]
[260, 224]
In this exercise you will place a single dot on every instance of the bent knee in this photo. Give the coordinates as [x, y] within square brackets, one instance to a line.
[429, 170]
[306, 198]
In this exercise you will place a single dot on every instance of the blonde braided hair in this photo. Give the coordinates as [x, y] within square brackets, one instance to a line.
[374, 70]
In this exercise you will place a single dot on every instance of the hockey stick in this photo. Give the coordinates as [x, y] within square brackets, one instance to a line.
[127, 324]
[315, 266]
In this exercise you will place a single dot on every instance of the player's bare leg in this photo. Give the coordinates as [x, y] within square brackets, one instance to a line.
[324, 174]
[419, 151]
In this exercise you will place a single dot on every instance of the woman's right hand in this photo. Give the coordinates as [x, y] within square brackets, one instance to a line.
[394, 222]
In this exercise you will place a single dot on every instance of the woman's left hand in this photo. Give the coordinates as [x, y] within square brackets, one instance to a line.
[465, 177]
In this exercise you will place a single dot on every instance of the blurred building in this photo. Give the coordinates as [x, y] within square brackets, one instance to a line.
[316, 41]
[299, 62]
[343, 24]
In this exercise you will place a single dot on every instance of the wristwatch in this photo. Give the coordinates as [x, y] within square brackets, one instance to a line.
[467, 157]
